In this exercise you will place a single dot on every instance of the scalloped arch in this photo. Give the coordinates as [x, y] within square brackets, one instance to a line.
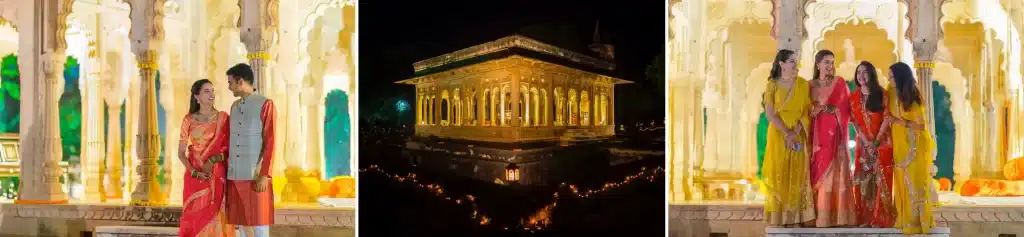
[308, 25]
[855, 20]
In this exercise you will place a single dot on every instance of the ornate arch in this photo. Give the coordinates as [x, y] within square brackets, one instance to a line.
[826, 16]
[220, 15]
[309, 24]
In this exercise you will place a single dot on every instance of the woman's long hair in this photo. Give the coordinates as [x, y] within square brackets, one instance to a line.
[780, 57]
[197, 87]
[905, 88]
[875, 103]
[817, 59]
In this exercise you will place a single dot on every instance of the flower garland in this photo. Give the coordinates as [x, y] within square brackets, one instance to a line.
[538, 221]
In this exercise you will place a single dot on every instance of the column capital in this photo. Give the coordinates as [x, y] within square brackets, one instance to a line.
[924, 17]
[788, 23]
[147, 27]
[258, 23]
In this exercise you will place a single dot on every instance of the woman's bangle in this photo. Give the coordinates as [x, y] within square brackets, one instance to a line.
[194, 173]
[215, 159]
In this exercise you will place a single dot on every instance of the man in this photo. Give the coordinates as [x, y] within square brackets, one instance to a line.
[250, 194]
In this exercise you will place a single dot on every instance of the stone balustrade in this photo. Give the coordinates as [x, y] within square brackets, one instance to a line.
[135, 231]
[76, 219]
[848, 232]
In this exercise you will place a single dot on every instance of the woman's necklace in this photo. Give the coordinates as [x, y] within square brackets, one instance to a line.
[826, 81]
[204, 118]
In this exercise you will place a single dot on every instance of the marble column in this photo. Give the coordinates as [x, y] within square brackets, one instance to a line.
[147, 35]
[258, 25]
[42, 26]
[925, 32]
[93, 127]
[114, 166]
[516, 77]
[788, 28]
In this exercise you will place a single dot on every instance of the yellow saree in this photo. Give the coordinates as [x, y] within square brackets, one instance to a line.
[913, 190]
[785, 172]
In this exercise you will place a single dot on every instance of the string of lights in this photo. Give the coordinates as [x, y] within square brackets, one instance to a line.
[541, 219]
[437, 191]
[538, 221]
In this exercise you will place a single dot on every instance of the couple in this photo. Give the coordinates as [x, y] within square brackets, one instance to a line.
[807, 134]
[228, 188]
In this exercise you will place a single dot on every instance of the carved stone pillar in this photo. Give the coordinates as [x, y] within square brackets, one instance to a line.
[42, 49]
[312, 101]
[925, 32]
[788, 28]
[294, 191]
[114, 165]
[94, 144]
[258, 25]
[147, 36]
[515, 99]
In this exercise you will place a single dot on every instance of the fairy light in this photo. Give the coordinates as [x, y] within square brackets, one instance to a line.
[542, 217]
[437, 191]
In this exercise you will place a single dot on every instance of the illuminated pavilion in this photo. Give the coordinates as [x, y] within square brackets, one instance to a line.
[133, 62]
[968, 60]
[515, 89]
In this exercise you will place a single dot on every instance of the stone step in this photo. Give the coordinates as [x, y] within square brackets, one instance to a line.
[135, 231]
[848, 232]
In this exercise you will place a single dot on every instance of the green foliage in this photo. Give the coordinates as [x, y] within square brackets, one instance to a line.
[655, 73]
[10, 95]
[945, 131]
[337, 134]
[762, 140]
[70, 110]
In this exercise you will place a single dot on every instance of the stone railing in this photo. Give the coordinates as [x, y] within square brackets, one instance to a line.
[73, 219]
[135, 231]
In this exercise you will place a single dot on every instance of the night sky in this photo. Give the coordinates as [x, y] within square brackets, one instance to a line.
[394, 34]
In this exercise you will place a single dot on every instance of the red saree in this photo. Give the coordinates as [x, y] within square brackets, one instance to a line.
[873, 167]
[203, 209]
[830, 159]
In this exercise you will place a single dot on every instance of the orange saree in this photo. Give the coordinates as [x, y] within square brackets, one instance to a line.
[872, 176]
[830, 162]
[203, 208]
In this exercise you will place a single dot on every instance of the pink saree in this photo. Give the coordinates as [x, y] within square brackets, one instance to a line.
[203, 208]
[831, 176]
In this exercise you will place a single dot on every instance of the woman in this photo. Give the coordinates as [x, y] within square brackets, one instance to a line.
[204, 137]
[784, 172]
[913, 147]
[830, 160]
[873, 167]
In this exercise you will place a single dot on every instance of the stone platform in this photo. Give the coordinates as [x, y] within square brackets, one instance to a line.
[83, 219]
[745, 219]
[847, 232]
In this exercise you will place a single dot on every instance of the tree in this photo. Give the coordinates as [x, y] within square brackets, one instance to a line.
[337, 134]
[70, 110]
[655, 83]
[10, 91]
